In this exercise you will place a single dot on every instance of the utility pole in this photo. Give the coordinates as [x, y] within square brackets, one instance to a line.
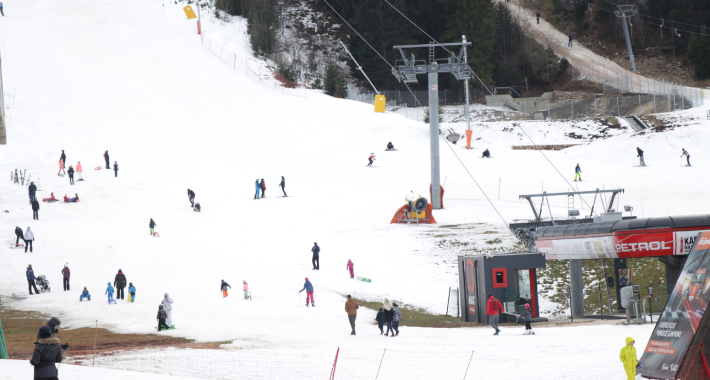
[199, 19]
[466, 109]
[407, 70]
[624, 12]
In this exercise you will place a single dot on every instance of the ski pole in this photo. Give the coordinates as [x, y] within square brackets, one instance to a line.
[299, 299]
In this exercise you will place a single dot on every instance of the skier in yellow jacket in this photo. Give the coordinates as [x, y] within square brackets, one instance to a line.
[628, 357]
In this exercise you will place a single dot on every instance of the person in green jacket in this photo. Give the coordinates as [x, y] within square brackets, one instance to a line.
[628, 357]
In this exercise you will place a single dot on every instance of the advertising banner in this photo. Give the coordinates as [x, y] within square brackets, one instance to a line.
[470, 289]
[681, 316]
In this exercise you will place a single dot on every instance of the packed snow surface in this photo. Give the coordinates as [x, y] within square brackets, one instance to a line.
[89, 76]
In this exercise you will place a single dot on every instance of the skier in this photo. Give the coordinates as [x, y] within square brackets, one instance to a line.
[120, 283]
[628, 357]
[258, 188]
[283, 185]
[198, 208]
[30, 274]
[351, 307]
[389, 316]
[35, 209]
[20, 235]
[371, 159]
[65, 275]
[262, 185]
[63, 158]
[61, 167]
[380, 318]
[132, 291]
[351, 267]
[108, 166]
[1, 10]
[191, 197]
[71, 175]
[308, 287]
[486, 154]
[47, 353]
[577, 173]
[397, 318]
[640, 156]
[390, 146]
[246, 289]
[570, 40]
[109, 291]
[115, 168]
[527, 316]
[79, 171]
[493, 308]
[224, 287]
[29, 238]
[316, 256]
[32, 188]
[168, 306]
[162, 315]
[85, 294]
[687, 155]
[152, 227]
[538, 18]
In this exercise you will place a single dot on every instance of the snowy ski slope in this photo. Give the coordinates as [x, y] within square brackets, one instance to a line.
[89, 76]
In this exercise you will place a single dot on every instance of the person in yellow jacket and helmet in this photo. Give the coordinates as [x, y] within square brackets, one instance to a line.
[628, 357]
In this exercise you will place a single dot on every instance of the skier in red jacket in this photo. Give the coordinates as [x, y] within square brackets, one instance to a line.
[493, 308]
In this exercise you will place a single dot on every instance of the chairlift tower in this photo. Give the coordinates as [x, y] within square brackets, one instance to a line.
[407, 70]
[626, 12]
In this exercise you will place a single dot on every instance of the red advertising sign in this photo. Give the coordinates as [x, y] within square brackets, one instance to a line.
[470, 272]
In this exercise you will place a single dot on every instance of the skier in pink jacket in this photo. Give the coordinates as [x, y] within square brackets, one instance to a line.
[351, 268]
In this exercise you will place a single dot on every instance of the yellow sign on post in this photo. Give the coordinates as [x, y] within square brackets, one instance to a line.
[380, 103]
[189, 12]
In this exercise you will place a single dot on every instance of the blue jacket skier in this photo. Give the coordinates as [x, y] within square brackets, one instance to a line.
[85, 294]
[308, 287]
[258, 188]
[132, 291]
[110, 291]
[283, 185]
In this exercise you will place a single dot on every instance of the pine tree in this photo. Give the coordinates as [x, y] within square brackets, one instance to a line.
[334, 83]
[699, 54]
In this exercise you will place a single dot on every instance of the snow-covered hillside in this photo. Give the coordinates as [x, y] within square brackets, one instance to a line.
[89, 76]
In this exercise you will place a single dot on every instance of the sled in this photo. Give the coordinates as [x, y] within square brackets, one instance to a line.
[390, 150]
[18, 298]
[172, 327]
[129, 297]
[371, 166]
[155, 234]
[98, 168]
[49, 200]
[363, 279]
[13, 245]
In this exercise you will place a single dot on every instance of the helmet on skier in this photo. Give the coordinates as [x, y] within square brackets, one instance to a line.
[306, 278]
[527, 305]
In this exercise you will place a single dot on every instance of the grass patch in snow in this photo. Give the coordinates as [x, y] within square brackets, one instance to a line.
[417, 317]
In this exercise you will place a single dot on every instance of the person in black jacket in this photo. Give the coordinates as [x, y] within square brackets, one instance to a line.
[388, 313]
[152, 227]
[640, 156]
[35, 209]
[32, 190]
[19, 234]
[119, 282]
[191, 197]
[53, 324]
[71, 175]
[538, 18]
[283, 185]
[115, 168]
[108, 166]
[63, 158]
[316, 256]
[47, 352]
[380, 318]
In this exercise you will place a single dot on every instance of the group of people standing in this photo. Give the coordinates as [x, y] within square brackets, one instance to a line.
[260, 188]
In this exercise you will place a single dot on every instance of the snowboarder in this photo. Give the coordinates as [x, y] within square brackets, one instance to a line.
[29, 238]
[493, 308]
[371, 159]
[152, 227]
[628, 357]
[687, 155]
[132, 291]
[115, 168]
[47, 353]
[35, 209]
[380, 318]
[168, 306]
[30, 274]
[283, 185]
[61, 168]
[640, 156]
[65, 275]
[258, 188]
[63, 157]
[109, 291]
[486, 154]
[198, 208]
[224, 287]
[85, 294]
[120, 283]
[351, 267]
[191, 197]
[351, 307]
[108, 166]
[389, 316]
[262, 185]
[32, 189]
[71, 175]
[162, 315]
[246, 289]
[20, 235]
[538, 18]
[79, 171]
[527, 317]
[316, 256]
[390, 146]
[570, 40]
[397, 318]
[308, 287]
[577, 173]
